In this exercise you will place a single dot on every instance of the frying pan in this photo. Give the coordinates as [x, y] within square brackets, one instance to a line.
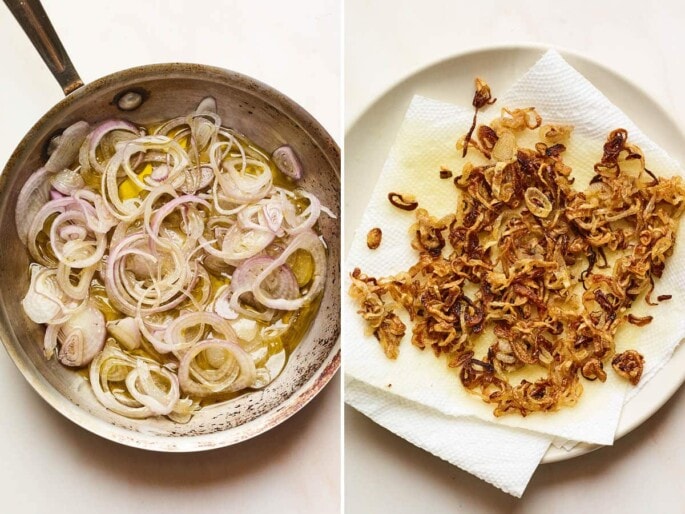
[144, 95]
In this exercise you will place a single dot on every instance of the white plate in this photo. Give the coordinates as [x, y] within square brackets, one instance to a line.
[370, 137]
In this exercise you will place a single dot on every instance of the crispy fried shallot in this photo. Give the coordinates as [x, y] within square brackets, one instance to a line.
[404, 202]
[639, 321]
[384, 324]
[629, 365]
[525, 258]
[481, 98]
[555, 133]
[373, 238]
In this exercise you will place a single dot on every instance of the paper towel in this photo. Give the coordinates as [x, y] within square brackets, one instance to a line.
[426, 141]
[502, 456]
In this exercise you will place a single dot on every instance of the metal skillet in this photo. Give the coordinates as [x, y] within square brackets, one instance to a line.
[144, 95]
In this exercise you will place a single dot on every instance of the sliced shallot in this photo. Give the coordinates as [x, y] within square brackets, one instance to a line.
[231, 368]
[310, 242]
[82, 337]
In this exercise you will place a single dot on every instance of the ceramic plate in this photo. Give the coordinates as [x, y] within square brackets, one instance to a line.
[371, 135]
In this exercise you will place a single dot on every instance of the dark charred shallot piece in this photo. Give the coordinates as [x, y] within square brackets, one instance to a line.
[481, 98]
[404, 202]
[445, 173]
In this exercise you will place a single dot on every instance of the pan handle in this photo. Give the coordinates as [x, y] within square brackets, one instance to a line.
[36, 24]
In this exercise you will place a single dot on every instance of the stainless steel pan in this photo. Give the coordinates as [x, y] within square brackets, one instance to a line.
[158, 92]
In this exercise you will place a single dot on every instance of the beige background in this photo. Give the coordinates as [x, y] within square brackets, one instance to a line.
[388, 40]
[48, 464]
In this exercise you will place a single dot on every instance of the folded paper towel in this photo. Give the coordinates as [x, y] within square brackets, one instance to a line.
[422, 383]
[502, 456]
